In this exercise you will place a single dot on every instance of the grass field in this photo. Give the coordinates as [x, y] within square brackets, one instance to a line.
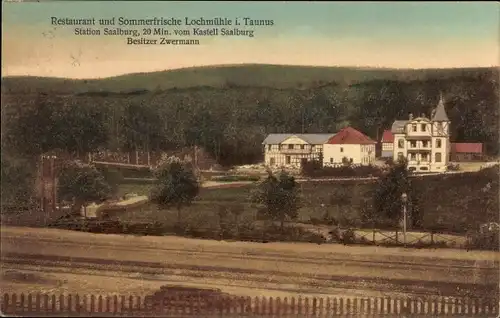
[465, 200]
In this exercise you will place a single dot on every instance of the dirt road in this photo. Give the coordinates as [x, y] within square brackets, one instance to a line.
[58, 260]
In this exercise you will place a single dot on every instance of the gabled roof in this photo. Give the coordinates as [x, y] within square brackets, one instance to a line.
[352, 136]
[387, 136]
[398, 126]
[467, 147]
[440, 112]
[312, 139]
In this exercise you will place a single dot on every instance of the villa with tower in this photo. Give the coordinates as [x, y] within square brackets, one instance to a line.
[425, 142]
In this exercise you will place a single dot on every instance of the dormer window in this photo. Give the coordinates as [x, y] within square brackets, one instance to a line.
[414, 127]
[302, 147]
[423, 127]
[269, 147]
[290, 146]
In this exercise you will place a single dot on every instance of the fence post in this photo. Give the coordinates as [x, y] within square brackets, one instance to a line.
[139, 303]
[30, 302]
[5, 304]
[70, 303]
[321, 307]
[278, 306]
[99, 304]
[270, 307]
[77, 303]
[38, 301]
[108, 304]
[13, 303]
[314, 300]
[299, 305]
[53, 303]
[256, 306]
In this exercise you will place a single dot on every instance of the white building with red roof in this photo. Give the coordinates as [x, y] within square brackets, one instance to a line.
[349, 145]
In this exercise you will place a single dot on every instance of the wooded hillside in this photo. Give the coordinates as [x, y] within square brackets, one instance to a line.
[229, 110]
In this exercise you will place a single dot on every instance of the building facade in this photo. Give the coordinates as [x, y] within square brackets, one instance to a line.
[466, 151]
[387, 144]
[425, 142]
[291, 150]
[349, 145]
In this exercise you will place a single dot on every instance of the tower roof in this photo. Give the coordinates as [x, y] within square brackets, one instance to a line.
[440, 111]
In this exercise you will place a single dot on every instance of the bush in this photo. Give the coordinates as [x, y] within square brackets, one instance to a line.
[274, 233]
[233, 178]
[313, 169]
[484, 241]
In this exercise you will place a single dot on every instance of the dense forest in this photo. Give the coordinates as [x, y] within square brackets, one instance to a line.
[231, 118]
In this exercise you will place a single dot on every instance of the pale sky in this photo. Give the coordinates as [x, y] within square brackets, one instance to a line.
[391, 34]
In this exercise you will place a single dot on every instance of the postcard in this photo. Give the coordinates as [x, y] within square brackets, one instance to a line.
[250, 158]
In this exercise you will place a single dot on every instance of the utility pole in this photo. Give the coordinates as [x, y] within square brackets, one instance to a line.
[404, 199]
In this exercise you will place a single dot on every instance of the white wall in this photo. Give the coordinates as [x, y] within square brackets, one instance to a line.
[360, 154]
[396, 148]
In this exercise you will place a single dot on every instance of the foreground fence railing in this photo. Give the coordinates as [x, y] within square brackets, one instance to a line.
[69, 305]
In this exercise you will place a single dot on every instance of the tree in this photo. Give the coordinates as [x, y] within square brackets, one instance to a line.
[176, 185]
[82, 184]
[280, 195]
[387, 201]
[18, 181]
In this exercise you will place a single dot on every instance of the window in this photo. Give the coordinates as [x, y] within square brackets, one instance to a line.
[400, 154]
[437, 157]
[424, 144]
[424, 168]
[424, 157]
[423, 127]
[290, 146]
[438, 143]
[302, 147]
[341, 149]
[401, 143]
[272, 161]
[413, 144]
[331, 160]
[288, 160]
[413, 156]
[414, 127]
[269, 147]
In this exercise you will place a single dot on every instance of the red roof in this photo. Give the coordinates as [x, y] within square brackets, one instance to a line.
[467, 147]
[350, 135]
[388, 136]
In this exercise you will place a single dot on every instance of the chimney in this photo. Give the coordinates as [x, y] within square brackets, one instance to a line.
[411, 116]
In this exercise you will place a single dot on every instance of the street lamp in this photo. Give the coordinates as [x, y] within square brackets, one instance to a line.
[404, 199]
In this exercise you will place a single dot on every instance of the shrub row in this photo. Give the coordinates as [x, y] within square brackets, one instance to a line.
[233, 178]
[314, 169]
[245, 232]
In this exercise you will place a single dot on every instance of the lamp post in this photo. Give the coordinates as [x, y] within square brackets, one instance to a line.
[404, 199]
